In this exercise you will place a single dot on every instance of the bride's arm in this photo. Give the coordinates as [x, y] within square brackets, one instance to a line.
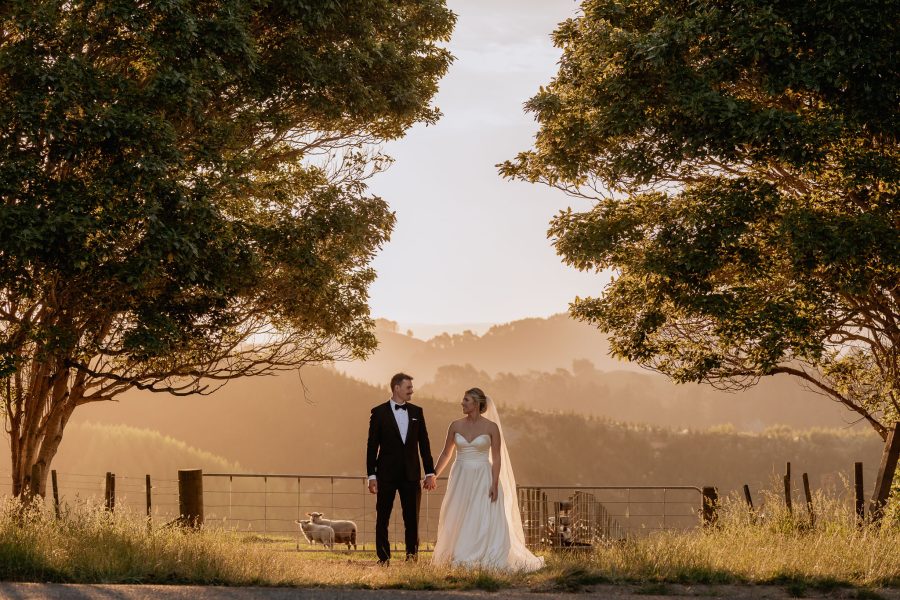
[495, 461]
[446, 453]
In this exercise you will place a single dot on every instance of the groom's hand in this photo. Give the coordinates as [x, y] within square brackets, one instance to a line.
[373, 486]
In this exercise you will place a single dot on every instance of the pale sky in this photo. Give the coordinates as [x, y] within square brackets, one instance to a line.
[470, 247]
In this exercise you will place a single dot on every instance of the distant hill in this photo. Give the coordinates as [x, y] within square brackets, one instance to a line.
[426, 331]
[517, 347]
[317, 425]
[559, 364]
[89, 450]
[301, 423]
[648, 398]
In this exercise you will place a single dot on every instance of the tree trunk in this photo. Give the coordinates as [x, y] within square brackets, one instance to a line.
[37, 450]
[886, 471]
[36, 428]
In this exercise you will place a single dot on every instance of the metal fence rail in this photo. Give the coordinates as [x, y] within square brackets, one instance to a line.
[573, 516]
[552, 516]
[272, 503]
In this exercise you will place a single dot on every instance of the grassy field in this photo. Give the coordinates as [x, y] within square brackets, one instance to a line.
[770, 547]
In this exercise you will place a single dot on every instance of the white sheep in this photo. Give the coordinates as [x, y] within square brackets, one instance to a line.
[314, 532]
[344, 531]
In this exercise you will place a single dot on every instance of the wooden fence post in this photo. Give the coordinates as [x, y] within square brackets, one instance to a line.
[149, 499]
[748, 498]
[809, 503]
[110, 491]
[788, 494]
[55, 492]
[859, 493]
[885, 473]
[710, 497]
[190, 497]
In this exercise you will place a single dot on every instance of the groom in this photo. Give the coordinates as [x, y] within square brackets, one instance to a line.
[397, 436]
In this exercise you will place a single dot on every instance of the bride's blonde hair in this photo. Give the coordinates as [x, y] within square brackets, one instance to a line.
[480, 396]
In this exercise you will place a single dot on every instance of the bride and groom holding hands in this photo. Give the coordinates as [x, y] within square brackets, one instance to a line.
[479, 524]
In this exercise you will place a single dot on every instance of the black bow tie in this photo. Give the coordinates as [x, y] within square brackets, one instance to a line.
[399, 407]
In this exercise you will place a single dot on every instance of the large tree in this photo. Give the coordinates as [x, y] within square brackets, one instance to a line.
[742, 164]
[183, 192]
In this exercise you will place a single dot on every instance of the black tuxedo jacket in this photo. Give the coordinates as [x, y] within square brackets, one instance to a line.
[387, 457]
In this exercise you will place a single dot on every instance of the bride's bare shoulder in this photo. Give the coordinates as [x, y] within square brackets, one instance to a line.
[492, 426]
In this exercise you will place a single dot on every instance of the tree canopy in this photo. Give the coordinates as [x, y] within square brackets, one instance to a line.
[741, 160]
[183, 191]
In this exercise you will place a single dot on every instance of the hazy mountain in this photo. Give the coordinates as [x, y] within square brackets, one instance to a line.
[649, 398]
[558, 364]
[517, 347]
[317, 425]
[426, 331]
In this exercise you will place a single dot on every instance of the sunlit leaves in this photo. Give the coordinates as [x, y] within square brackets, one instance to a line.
[745, 167]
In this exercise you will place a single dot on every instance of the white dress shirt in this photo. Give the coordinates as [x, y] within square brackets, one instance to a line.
[402, 418]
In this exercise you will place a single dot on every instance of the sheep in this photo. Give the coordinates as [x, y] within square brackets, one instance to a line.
[314, 532]
[344, 531]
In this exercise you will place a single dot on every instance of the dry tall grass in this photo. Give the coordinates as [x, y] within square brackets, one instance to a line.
[771, 546]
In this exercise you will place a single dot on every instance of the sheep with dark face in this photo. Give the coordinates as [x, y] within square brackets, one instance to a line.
[344, 531]
[317, 533]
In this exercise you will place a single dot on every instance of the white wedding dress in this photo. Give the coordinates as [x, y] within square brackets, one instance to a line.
[472, 530]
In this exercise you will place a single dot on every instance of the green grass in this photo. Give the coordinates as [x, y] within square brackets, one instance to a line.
[93, 546]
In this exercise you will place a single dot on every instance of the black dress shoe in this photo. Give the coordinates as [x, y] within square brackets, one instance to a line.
[412, 558]
[384, 563]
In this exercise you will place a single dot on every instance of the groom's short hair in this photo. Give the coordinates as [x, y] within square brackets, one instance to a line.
[398, 379]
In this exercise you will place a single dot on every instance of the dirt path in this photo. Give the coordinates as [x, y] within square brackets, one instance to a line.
[46, 591]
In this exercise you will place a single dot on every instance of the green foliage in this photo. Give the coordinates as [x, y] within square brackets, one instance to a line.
[156, 164]
[743, 162]
[183, 188]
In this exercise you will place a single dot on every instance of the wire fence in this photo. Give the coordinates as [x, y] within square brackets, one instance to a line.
[552, 516]
[574, 516]
[272, 504]
[130, 492]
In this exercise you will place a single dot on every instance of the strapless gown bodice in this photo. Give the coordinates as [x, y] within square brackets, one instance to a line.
[478, 451]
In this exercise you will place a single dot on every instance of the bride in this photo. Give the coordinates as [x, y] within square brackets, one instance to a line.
[480, 524]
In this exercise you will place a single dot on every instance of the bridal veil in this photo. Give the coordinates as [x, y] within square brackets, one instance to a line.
[520, 557]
